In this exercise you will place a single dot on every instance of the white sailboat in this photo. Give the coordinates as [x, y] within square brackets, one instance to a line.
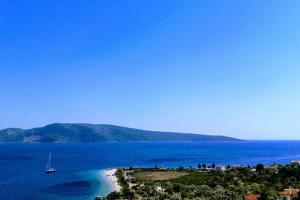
[49, 169]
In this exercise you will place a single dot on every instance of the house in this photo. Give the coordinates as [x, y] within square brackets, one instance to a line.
[295, 162]
[289, 194]
[235, 166]
[274, 168]
[209, 169]
[220, 168]
[252, 196]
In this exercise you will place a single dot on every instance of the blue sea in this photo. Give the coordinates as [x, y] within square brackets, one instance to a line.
[79, 166]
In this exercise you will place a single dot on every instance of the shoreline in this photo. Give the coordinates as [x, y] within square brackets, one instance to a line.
[154, 182]
[110, 176]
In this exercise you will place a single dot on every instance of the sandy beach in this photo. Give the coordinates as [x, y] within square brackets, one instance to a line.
[112, 179]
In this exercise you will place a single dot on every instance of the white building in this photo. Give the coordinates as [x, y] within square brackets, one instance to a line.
[235, 166]
[295, 162]
[220, 168]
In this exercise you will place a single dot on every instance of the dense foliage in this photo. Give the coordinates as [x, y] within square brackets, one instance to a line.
[213, 185]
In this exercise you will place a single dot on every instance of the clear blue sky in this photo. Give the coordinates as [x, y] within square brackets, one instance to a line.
[213, 67]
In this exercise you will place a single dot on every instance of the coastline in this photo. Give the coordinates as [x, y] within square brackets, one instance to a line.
[110, 176]
[155, 182]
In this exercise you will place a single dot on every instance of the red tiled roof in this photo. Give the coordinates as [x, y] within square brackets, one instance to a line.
[252, 196]
[287, 192]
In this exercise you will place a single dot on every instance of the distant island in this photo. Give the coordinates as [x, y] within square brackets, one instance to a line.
[91, 133]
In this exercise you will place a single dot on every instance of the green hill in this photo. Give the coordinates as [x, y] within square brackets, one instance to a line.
[88, 133]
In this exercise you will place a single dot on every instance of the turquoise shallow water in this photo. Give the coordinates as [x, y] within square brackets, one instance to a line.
[78, 175]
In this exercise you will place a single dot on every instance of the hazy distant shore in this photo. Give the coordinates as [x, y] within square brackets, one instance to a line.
[91, 133]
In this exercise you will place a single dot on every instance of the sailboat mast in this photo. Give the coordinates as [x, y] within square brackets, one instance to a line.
[50, 160]
[49, 169]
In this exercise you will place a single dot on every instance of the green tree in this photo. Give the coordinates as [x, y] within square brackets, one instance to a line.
[259, 168]
[213, 165]
[269, 194]
[180, 168]
[113, 196]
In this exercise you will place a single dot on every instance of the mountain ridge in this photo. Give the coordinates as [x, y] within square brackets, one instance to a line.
[91, 133]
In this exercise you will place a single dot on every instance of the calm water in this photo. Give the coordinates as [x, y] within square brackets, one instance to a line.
[78, 165]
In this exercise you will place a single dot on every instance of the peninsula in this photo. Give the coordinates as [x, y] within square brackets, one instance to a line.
[209, 182]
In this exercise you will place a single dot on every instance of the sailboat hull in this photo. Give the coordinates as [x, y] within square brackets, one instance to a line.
[51, 170]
